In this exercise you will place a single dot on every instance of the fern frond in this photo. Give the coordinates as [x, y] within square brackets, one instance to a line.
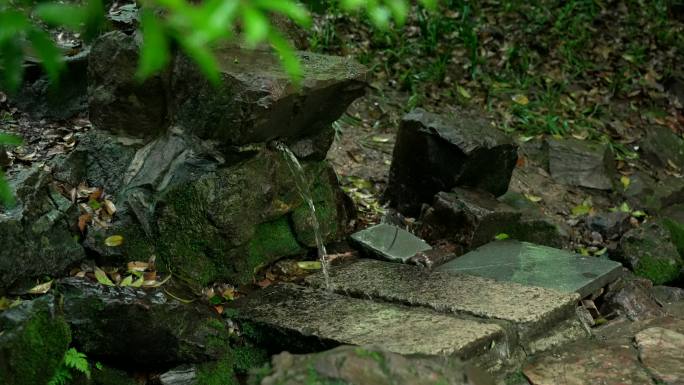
[62, 376]
[78, 361]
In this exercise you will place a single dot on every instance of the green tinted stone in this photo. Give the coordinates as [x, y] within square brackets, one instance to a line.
[390, 242]
[535, 265]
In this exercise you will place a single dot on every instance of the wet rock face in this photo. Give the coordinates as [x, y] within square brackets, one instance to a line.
[32, 342]
[436, 153]
[118, 102]
[138, 327]
[580, 163]
[633, 298]
[256, 101]
[662, 353]
[369, 366]
[473, 218]
[661, 146]
[650, 253]
[35, 235]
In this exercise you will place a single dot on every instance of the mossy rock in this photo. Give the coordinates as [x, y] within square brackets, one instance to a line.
[676, 230]
[33, 340]
[650, 253]
[231, 222]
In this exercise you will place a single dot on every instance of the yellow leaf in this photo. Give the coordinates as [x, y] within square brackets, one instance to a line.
[533, 198]
[463, 92]
[41, 289]
[138, 282]
[309, 265]
[625, 181]
[114, 240]
[521, 99]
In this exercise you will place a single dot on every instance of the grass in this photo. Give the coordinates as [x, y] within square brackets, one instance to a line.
[573, 60]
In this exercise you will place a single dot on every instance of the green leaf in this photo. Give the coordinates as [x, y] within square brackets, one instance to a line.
[78, 361]
[102, 278]
[399, 10]
[6, 196]
[49, 54]
[63, 15]
[203, 57]
[256, 25]
[287, 56]
[11, 62]
[8, 139]
[155, 50]
[501, 236]
[293, 10]
[13, 24]
[128, 281]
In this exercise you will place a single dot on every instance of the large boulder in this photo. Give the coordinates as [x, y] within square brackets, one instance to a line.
[580, 163]
[136, 327]
[33, 340]
[436, 153]
[118, 101]
[256, 100]
[648, 250]
[473, 218]
[662, 147]
[35, 235]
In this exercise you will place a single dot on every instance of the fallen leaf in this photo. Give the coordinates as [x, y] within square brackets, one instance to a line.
[114, 240]
[501, 236]
[83, 221]
[138, 282]
[41, 289]
[127, 281]
[309, 265]
[625, 181]
[102, 278]
[109, 207]
[137, 266]
[521, 99]
[463, 92]
[264, 283]
[533, 198]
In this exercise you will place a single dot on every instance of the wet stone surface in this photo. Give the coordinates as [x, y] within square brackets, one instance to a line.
[662, 352]
[390, 242]
[534, 265]
[287, 311]
[452, 293]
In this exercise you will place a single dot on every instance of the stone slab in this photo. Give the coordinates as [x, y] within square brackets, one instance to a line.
[535, 265]
[390, 242]
[346, 320]
[531, 309]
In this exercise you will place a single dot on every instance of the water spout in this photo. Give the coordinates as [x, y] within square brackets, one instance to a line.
[303, 189]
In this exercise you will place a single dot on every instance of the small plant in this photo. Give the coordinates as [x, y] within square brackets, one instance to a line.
[74, 362]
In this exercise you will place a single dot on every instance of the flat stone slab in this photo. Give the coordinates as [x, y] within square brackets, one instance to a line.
[305, 312]
[532, 309]
[535, 265]
[390, 242]
[662, 352]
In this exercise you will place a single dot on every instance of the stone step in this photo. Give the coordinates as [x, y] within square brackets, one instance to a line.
[528, 311]
[285, 312]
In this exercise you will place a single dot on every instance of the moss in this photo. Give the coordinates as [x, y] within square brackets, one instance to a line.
[256, 375]
[659, 271]
[31, 352]
[676, 230]
[249, 357]
[217, 373]
[271, 241]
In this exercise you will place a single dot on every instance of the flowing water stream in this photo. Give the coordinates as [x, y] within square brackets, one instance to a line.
[305, 192]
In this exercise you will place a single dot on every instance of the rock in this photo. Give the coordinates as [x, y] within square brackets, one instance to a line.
[534, 265]
[255, 100]
[35, 234]
[4, 158]
[141, 328]
[42, 100]
[675, 84]
[303, 320]
[650, 253]
[666, 295]
[581, 163]
[118, 102]
[454, 293]
[631, 297]
[33, 339]
[108, 376]
[436, 153]
[368, 366]
[662, 353]
[469, 218]
[432, 258]
[654, 195]
[227, 224]
[588, 362]
[389, 242]
[661, 147]
[676, 229]
[473, 218]
[610, 225]
[182, 375]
